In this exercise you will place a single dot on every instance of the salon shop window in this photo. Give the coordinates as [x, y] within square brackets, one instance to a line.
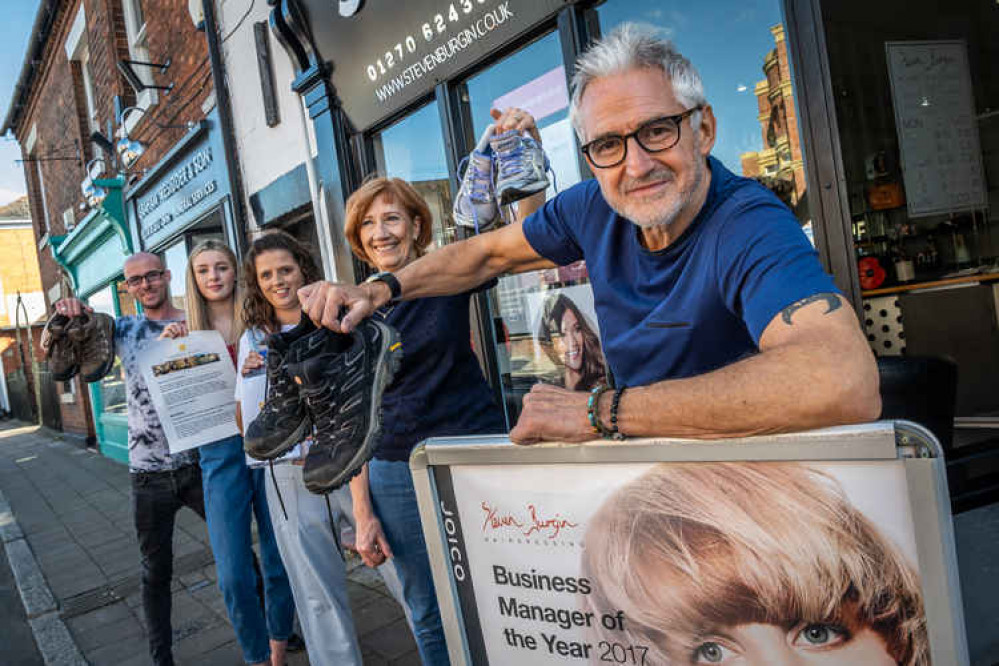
[545, 328]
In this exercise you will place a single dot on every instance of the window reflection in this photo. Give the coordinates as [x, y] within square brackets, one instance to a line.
[175, 260]
[413, 150]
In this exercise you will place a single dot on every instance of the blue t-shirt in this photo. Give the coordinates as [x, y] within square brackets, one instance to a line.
[700, 303]
[439, 390]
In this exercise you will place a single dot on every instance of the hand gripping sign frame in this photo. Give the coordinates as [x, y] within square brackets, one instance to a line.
[477, 523]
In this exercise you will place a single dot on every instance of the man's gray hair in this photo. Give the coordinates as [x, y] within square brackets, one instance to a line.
[631, 46]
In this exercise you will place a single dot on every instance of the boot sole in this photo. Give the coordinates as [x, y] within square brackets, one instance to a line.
[270, 453]
[384, 375]
[108, 325]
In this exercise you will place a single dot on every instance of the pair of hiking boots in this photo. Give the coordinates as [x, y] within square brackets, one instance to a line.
[502, 168]
[329, 382]
[82, 344]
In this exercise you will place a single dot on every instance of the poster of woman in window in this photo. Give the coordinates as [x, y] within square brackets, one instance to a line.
[566, 335]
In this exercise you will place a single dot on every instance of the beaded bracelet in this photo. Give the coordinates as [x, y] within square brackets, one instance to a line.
[593, 408]
[615, 403]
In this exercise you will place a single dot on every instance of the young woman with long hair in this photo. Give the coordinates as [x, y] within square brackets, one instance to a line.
[234, 493]
[274, 268]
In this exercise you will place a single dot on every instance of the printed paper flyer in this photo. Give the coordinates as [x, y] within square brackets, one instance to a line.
[685, 563]
[191, 382]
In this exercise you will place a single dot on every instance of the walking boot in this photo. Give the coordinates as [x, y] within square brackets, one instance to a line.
[93, 335]
[64, 361]
[282, 421]
[342, 378]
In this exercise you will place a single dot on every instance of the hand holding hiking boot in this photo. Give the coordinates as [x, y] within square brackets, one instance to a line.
[76, 339]
[323, 303]
[59, 349]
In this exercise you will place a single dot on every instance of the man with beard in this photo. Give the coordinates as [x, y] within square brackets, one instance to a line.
[162, 483]
[713, 308]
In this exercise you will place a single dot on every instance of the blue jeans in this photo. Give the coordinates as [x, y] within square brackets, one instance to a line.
[234, 494]
[394, 498]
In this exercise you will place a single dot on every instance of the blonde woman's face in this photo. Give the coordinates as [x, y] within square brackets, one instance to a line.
[772, 645]
[279, 277]
[215, 275]
[388, 234]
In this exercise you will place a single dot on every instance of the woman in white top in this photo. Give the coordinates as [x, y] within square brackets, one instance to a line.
[274, 268]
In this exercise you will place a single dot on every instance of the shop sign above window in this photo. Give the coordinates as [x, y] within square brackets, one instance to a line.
[386, 55]
[184, 186]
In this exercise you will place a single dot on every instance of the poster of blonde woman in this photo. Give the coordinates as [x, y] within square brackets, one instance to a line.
[689, 564]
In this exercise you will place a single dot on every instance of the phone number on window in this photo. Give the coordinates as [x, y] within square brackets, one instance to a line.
[437, 25]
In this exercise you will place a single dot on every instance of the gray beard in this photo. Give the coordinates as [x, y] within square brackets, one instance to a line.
[667, 217]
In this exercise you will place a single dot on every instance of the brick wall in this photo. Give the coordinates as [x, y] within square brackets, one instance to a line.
[56, 108]
[171, 34]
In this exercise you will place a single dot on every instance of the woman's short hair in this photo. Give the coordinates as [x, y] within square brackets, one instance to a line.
[196, 305]
[257, 312]
[550, 327]
[395, 190]
[632, 46]
[692, 547]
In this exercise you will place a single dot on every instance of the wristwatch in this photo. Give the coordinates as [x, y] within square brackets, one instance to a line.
[393, 284]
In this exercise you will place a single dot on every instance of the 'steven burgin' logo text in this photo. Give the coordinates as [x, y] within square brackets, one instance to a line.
[535, 523]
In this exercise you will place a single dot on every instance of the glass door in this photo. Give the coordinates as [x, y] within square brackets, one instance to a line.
[535, 339]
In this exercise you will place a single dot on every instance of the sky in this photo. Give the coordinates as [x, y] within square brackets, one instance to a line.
[19, 16]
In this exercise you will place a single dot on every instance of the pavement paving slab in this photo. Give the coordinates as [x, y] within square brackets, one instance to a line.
[67, 533]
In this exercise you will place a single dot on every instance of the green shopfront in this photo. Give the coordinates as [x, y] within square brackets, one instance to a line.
[93, 255]
[182, 199]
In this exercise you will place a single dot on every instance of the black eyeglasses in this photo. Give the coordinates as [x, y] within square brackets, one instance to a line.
[148, 278]
[654, 136]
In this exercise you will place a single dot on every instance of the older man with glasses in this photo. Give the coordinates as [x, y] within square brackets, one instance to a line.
[716, 317]
[162, 483]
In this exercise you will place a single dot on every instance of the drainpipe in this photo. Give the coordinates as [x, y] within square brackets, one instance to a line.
[18, 308]
[228, 134]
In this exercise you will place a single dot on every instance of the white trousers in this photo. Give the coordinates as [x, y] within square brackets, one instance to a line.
[315, 569]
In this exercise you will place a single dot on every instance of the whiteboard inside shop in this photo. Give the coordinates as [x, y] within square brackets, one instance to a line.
[937, 127]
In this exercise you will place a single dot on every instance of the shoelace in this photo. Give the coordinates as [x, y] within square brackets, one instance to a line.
[277, 489]
[481, 189]
[509, 151]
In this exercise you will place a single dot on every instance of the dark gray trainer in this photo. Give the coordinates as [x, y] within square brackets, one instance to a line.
[342, 379]
[93, 335]
[61, 352]
[282, 421]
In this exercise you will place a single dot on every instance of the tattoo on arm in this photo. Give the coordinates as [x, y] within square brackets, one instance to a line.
[831, 300]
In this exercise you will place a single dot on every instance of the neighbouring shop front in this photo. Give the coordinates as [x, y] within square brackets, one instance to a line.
[183, 200]
[93, 255]
[877, 124]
